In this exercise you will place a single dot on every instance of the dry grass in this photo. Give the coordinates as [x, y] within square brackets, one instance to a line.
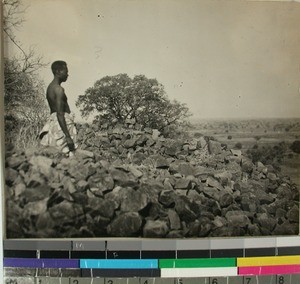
[25, 137]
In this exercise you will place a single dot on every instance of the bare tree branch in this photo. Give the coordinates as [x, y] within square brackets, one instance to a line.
[24, 92]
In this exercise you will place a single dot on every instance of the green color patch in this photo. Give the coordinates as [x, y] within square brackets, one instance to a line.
[197, 262]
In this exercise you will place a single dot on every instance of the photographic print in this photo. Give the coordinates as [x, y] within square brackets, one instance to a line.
[151, 119]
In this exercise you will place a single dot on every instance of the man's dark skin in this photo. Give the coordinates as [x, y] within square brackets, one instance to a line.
[58, 102]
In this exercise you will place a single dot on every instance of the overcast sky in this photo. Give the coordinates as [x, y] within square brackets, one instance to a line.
[224, 59]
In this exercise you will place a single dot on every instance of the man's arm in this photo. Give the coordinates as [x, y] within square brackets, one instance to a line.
[60, 107]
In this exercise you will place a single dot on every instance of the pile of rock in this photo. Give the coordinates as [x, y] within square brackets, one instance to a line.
[128, 182]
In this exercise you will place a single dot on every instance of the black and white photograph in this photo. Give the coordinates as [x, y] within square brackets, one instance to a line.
[151, 119]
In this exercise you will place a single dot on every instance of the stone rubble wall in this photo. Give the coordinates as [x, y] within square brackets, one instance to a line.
[128, 182]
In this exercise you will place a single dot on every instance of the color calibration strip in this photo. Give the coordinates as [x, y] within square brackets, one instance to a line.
[274, 260]
[170, 267]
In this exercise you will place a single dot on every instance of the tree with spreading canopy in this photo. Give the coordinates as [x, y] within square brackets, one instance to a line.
[119, 98]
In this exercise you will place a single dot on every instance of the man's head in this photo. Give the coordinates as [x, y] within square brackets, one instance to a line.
[59, 69]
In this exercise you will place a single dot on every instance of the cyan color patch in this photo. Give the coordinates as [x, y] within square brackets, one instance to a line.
[119, 263]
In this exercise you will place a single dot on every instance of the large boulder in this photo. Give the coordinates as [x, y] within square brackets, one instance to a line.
[155, 229]
[133, 201]
[237, 218]
[127, 224]
[215, 147]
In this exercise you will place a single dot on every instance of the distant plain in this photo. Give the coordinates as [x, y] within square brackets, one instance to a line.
[257, 133]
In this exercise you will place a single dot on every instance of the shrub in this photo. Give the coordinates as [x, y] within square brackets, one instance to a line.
[268, 155]
[295, 147]
[238, 145]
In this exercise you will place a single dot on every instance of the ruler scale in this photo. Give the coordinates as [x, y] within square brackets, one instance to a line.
[210, 261]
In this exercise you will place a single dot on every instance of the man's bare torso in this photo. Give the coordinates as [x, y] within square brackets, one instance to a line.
[56, 97]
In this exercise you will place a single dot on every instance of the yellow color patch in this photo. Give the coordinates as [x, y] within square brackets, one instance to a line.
[268, 260]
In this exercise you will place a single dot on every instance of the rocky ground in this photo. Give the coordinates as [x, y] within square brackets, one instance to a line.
[128, 182]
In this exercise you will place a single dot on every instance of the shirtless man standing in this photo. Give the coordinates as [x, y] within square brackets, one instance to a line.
[60, 119]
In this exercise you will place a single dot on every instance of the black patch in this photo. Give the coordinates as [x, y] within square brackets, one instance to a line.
[88, 254]
[20, 253]
[123, 273]
[260, 252]
[150, 254]
[54, 254]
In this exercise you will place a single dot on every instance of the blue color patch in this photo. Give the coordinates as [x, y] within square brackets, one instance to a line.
[40, 263]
